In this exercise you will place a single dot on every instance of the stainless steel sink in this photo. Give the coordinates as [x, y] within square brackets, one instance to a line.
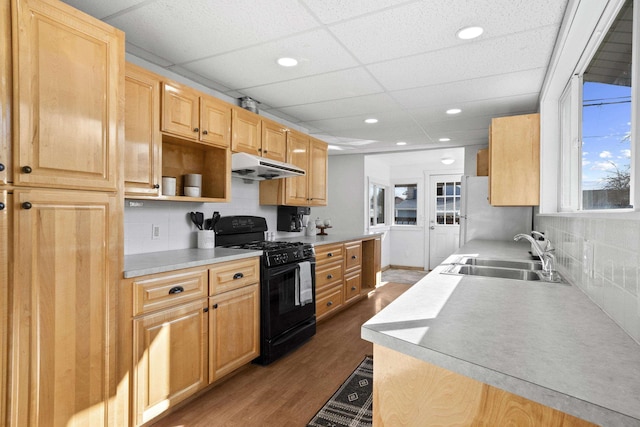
[499, 272]
[487, 262]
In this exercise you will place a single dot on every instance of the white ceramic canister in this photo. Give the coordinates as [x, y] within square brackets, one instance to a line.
[193, 180]
[206, 239]
[168, 186]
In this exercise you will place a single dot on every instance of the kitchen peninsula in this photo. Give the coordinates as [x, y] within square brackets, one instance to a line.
[544, 342]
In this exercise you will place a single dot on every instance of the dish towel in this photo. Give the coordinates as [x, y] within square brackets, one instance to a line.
[306, 283]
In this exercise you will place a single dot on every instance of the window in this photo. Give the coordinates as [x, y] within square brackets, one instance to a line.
[376, 204]
[448, 203]
[596, 122]
[405, 205]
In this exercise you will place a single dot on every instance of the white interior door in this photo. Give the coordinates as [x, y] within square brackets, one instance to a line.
[444, 217]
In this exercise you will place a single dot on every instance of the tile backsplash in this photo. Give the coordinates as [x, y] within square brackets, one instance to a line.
[612, 282]
[176, 231]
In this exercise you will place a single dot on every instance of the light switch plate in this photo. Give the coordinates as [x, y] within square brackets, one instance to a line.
[155, 232]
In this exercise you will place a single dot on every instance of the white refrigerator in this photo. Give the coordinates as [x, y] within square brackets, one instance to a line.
[480, 220]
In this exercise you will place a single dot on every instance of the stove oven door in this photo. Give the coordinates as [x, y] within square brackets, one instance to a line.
[281, 308]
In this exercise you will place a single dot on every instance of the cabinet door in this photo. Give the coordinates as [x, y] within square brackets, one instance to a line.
[5, 244]
[246, 135]
[234, 330]
[170, 353]
[514, 165]
[66, 263]
[69, 88]
[352, 285]
[215, 122]
[142, 170]
[274, 140]
[318, 173]
[297, 154]
[353, 256]
[5, 94]
[180, 110]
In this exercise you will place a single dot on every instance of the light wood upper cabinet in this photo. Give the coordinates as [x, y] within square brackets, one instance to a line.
[215, 121]
[66, 267]
[68, 90]
[187, 113]
[170, 350]
[246, 135]
[180, 110]
[317, 180]
[5, 95]
[514, 161]
[296, 192]
[274, 140]
[142, 162]
[234, 330]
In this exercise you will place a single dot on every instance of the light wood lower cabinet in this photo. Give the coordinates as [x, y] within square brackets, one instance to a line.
[66, 266]
[234, 330]
[5, 244]
[170, 355]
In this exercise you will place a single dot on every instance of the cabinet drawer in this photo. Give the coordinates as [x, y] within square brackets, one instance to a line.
[231, 275]
[329, 275]
[328, 301]
[353, 255]
[328, 253]
[352, 286]
[165, 290]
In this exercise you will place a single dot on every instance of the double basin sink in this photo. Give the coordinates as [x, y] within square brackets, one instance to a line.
[499, 268]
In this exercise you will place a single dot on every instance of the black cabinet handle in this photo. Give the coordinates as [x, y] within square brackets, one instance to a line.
[329, 303]
[354, 257]
[27, 169]
[206, 309]
[196, 129]
[1, 206]
[215, 306]
[1, 167]
[176, 290]
[205, 132]
[156, 185]
[329, 276]
[238, 276]
[27, 205]
[330, 254]
[353, 288]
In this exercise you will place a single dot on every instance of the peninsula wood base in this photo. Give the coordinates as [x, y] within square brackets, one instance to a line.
[409, 392]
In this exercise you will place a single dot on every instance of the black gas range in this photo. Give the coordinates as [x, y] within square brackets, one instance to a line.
[287, 284]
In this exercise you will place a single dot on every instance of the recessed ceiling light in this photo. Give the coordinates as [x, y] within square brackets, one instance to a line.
[447, 160]
[370, 121]
[287, 62]
[401, 143]
[454, 111]
[469, 33]
[444, 139]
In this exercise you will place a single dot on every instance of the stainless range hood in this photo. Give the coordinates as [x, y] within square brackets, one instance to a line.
[247, 166]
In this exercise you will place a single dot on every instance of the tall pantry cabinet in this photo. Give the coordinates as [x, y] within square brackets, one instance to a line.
[66, 215]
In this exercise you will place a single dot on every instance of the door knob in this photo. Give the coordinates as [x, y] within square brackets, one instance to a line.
[433, 227]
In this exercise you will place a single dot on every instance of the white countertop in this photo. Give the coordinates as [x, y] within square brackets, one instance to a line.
[331, 238]
[160, 262]
[544, 341]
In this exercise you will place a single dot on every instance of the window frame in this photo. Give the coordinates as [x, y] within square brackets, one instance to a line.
[373, 184]
[419, 207]
[570, 180]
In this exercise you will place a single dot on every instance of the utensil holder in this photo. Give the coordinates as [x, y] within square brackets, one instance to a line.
[206, 239]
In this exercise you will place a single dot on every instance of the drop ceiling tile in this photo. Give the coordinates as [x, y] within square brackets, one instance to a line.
[523, 51]
[103, 9]
[329, 11]
[189, 30]
[367, 104]
[411, 133]
[147, 56]
[394, 118]
[317, 52]
[450, 94]
[203, 80]
[323, 87]
[431, 25]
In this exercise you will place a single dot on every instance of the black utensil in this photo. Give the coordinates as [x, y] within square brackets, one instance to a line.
[215, 219]
[199, 220]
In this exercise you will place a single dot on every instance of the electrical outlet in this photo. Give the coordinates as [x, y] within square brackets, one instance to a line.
[135, 204]
[587, 258]
[155, 232]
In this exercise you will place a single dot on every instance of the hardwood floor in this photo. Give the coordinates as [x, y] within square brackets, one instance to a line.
[288, 392]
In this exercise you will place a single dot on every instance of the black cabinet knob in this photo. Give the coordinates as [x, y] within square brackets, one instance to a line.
[215, 305]
[353, 257]
[1, 167]
[1, 206]
[156, 186]
[196, 129]
[27, 169]
[353, 288]
[238, 276]
[329, 276]
[206, 309]
[329, 254]
[27, 205]
[205, 132]
[329, 303]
